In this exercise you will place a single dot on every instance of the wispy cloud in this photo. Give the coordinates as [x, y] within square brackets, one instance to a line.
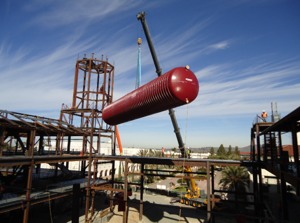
[220, 45]
[70, 12]
[237, 89]
[232, 90]
[182, 41]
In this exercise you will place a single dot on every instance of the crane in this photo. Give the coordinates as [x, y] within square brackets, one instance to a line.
[142, 17]
[193, 195]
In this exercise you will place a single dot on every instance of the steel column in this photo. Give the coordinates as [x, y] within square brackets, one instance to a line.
[283, 200]
[296, 152]
[125, 213]
[142, 193]
[29, 177]
[1, 139]
[90, 163]
[75, 203]
[209, 219]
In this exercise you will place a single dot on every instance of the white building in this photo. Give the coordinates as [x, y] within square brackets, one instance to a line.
[104, 170]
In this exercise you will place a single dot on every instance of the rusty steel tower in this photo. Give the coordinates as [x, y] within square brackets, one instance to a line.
[93, 90]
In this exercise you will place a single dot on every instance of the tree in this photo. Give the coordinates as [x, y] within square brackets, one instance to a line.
[153, 167]
[237, 151]
[157, 153]
[212, 151]
[174, 151]
[229, 152]
[235, 179]
[143, 152]
[221, 152]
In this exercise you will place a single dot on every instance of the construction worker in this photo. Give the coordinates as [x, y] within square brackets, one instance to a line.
[264, 116]
[163, 152]
[189, 153]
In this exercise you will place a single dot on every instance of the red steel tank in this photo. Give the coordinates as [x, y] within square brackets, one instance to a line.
[177, 87]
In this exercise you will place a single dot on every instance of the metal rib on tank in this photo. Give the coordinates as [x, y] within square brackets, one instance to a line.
[177, 87]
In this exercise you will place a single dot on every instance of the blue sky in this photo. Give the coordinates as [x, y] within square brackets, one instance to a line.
[245, 54]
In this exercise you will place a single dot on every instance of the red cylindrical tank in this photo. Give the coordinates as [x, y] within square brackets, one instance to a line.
[177, 87]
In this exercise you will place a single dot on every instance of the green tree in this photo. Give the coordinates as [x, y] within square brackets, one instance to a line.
[221, 152]
[229, 152]
[212, 151]
[158, 153]
[143, 153]
[154, 168]
[237, 151]
[174, 151]
[235, 179]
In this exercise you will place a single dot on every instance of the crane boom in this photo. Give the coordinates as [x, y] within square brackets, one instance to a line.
[142, 17]
[193, 196]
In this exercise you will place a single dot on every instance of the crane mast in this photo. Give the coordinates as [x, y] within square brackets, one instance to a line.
[193, 193]
[142, 17]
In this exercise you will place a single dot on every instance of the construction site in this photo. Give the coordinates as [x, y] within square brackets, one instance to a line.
[37, 158]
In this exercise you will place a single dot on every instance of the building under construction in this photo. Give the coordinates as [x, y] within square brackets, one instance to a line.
[24, 138]
[30, 142]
